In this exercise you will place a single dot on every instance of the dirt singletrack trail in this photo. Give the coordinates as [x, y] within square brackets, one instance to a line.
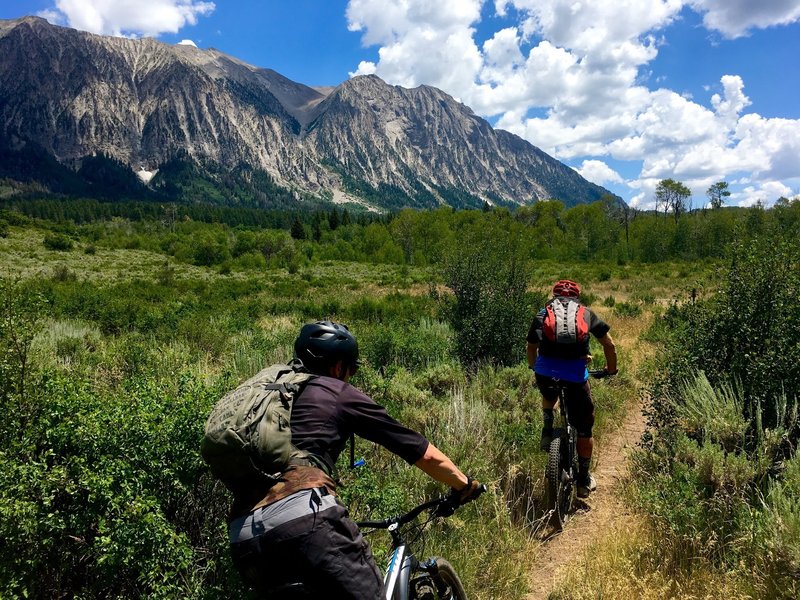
[594, 518]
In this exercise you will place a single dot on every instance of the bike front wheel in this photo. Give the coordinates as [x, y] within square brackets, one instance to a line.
[439, 582]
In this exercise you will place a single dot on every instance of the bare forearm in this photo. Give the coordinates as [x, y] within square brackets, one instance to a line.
[436, 464]
[532, 351]
[610, 352]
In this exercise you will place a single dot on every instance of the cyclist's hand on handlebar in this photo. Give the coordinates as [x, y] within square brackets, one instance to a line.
[457, 497]
[604, 372]
[469, 492]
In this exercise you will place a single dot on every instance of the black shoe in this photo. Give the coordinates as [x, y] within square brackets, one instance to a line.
[586, 486]
[547, 437]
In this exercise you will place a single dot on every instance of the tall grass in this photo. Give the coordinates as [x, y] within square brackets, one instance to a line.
[718, 474]
[713, 414]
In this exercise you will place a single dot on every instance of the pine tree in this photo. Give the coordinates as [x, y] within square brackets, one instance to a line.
[298, 231]
[333, 219]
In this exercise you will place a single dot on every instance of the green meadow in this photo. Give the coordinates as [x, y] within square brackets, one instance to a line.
[120, 328]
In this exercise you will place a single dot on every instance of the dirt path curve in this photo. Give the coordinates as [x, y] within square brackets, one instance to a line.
[603, 509]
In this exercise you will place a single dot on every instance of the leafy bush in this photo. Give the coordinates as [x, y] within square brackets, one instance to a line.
[21, 318]
[490, 311]
[422, 344]
[627, 310]
[726, 413]
[57, 241]
[63, 273]
[749, 330]
[104, 484]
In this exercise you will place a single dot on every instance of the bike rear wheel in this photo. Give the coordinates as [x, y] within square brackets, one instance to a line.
[560, 486]
[552, 475]
[439, 582]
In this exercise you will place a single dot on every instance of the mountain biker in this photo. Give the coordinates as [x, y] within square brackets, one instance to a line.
[567, 362]
[297, 530]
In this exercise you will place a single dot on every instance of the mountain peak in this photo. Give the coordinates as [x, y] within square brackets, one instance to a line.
[142, 102]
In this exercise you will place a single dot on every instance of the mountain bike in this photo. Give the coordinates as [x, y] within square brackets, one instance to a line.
[406, 577]
[561, 472]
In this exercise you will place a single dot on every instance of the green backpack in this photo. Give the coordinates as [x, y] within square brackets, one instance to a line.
[248, 434]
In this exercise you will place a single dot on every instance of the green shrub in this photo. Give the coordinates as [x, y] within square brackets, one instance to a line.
[58, 242]
[627, 310]
[104, 484]
[761, 295]
[783, 512]
[490, 313]
[418, 345]
[22, 312]
[62, 273]
[713, 414]
[646, 298]
[441, 378]
[726, 418]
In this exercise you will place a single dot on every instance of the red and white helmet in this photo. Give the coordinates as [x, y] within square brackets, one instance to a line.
[567, 288]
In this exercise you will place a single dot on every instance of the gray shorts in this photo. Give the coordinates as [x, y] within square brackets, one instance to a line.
[305, 538]
[264, 519]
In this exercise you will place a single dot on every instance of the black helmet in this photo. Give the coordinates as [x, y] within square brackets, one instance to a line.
[323, 343]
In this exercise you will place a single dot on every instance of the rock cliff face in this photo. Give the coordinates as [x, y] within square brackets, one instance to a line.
[142, 101]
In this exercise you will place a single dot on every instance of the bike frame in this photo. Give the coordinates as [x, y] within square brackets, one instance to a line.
[396, 582]
[570, 436]
[403, 563]
[398, 573]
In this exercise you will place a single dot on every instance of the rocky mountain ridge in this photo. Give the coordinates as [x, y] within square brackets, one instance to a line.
[143, 101]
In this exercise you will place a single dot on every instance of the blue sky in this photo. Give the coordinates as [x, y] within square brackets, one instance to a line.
[627, 92]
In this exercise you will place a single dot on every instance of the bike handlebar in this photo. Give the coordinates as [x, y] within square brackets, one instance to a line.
[599, 373]
[443, 506]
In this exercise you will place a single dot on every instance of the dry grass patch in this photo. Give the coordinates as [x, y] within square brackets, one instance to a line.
[633, 562]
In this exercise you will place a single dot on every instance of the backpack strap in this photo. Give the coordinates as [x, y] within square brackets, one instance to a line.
[285, 388]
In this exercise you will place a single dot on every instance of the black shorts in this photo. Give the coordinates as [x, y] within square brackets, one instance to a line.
[580, 405]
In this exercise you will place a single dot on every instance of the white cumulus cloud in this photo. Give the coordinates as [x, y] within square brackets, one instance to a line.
[567, 76]
[764, 193]
[129, 17]
[734, 18]
[598, 172]
[421, 42]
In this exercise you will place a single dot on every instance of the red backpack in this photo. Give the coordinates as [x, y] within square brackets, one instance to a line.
[565, 321]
